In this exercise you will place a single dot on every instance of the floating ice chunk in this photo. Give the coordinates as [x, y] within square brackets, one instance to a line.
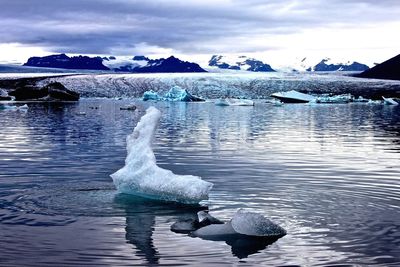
[141, 175]
[151, 95]
[293, 97]
[234, 102]
[254, 224]
[389, 101]
[13, 107]
[335, 99]
[176, 93]
[243, 223]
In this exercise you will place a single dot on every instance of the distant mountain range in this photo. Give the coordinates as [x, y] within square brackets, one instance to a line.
[328, 65]
[390, 69]
[137, 64]
[239, 63]
[142, 64]
[252, 64]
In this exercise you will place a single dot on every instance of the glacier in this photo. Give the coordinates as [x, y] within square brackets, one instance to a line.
[141, 176]
[222, 85]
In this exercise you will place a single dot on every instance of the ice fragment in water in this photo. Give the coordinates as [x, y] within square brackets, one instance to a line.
[141, 175]
[151, 95]
[254, 224]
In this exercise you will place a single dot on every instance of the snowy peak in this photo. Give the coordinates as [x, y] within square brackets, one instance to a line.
[137, 64]
[239, 63]
[63, 61]
[142, 64]
[328, 64]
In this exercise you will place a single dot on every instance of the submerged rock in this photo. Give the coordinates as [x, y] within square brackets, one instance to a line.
[246, 232]
[243, 223]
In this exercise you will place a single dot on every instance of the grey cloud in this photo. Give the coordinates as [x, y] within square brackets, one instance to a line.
[100, 26]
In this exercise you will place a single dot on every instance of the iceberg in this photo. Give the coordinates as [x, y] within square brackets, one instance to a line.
[151, 95]
[141, 176]
[176, 93]
[234, 102]
[293, 97]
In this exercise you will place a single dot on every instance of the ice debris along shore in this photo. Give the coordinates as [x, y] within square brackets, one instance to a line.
[298, 97]
[141, 176]
[174, 94]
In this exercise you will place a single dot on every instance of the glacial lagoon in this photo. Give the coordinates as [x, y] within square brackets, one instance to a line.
[328, 174]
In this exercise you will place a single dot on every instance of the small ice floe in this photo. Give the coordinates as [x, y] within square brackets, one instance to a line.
[130, 107]
[246, 232]
[14, 107]
[274, 102]
[389, 101]
[293, 97]
[360, 99]
[141, 176]
[374, 102]
[175, 94]
[334, 99]
[234, 102]
[243, 223]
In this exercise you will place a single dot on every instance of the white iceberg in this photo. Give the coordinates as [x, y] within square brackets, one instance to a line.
[293, 97]
[389, 101]
[141, 176]
[234, 102]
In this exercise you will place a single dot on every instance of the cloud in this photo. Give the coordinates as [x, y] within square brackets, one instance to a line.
[177, 26]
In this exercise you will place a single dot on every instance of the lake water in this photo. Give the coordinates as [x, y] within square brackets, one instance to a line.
[329, 174]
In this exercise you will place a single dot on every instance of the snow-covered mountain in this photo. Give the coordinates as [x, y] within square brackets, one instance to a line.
[239, 63]
[326, 64]
[137, 64]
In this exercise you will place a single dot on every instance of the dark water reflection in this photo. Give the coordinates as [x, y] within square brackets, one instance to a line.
[329, 174]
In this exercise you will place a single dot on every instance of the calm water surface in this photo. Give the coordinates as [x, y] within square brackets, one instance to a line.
[329, 174]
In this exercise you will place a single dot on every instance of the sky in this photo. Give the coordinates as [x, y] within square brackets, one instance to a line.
[277, 31]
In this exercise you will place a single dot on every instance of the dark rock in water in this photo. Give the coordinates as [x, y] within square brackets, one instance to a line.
[57, 91]
[247, 232]
[131, 107]
[5, 98]
[52, 92]
[65, 62]
[390, 70]
[28, 93]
